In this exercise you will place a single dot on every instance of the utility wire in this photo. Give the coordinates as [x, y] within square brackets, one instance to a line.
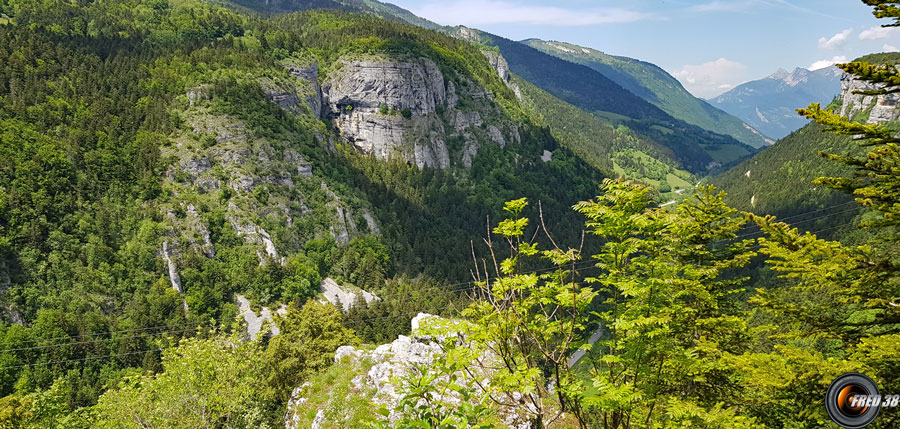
[351, 322]
[816, 211]
[798, 223]
[356, 322]
[40, 340]
[80, 360]
[473, 283]
[813, 211]
[76, 343]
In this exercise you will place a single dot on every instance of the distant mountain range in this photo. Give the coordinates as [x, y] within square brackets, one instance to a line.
[656, 116]
[697, 149]
[758, 184]
[656, 86]
[769, 105]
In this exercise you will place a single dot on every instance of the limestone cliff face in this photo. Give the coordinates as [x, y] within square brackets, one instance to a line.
[867, 108]
[260, 186]
[390, 108]
[310, 75]
[367, 85]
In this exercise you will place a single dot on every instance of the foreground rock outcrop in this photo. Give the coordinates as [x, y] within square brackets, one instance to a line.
[370, 376]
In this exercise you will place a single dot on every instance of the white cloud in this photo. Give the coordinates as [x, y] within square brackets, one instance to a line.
[889, 48]
[480, 12]
[835, 40]
[821, 64]
[710, 79]
[876, 33]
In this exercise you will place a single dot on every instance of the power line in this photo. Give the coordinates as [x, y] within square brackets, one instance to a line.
[80, 360]
[76, 343]
[98, 334]
[351, 322]
[413, 292]
[589, 263]
[816, 211]
[799, 223]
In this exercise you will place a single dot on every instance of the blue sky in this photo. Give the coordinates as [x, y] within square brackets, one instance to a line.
[710, 46]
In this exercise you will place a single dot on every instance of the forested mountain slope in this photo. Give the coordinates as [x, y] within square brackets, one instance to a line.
[696, 149]
[384, 10]
[758, 184]
[692, 147]
[624, 152]
[653, 84]
[160, 158]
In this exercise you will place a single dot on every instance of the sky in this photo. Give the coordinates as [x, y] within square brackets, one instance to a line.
[711, 46]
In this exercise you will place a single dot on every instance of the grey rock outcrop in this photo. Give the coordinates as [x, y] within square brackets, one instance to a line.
[469, 151]
[502, 67]
[365, 100]
[310, 75]
[285, 96]
[255, 323]
[293, 157]
[452, 96]
[466, 33]
[496, 135]
[432, 152]
[174, 278]
[409, 110]
[253, 234]
[196, 166]
[547, 156]
[465, 120]
[370, 221]
[197, 225]
[498, 63]
[345, 297]
[881, 108]
[367, 85]
[382, 367]
[339, 230]
[197, 94]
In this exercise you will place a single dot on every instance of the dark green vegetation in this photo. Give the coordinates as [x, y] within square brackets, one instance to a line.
[107, 110]
[94, 113]
[654, 85]
[758, 184]
[384, 10]
[626, 153]
[685, 344]
[684, 145]
[795, 160]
